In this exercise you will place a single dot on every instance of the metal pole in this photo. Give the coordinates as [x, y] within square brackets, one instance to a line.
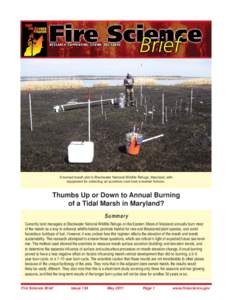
[141, 95]
[152, 138]
[191, 102]
[89, 119]
[162, 108]
[176, 107]
[102, 106]
[181, 100]
[166, 114]
[145, 112]
[30, 110]
[141, 88]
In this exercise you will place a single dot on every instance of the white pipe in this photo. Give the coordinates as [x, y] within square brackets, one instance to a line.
[92, 102]
[75, 105]
[30, 109]
[152, 138]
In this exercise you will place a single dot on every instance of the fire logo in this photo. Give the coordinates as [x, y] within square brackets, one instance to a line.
[34, 46]
[34, 39]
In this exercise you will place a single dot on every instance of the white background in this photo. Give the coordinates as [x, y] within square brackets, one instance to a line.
[14, 199]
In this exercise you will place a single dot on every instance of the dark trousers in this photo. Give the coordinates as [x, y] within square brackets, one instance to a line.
[129, 96]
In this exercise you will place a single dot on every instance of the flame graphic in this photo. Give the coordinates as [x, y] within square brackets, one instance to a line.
[34, 46]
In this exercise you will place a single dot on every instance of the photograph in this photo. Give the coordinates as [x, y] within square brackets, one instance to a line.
[116, 115]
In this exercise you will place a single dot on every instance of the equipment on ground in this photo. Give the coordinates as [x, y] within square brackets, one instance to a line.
[79, 151]
[75, 104]
[134, 140]
[120, 101]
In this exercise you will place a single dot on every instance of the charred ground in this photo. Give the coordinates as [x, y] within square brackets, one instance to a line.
[185, 147]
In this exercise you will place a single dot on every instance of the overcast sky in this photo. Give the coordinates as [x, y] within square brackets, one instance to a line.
[67, 67]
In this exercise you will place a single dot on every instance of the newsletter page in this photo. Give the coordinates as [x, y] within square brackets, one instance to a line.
[118, 193]
[123, 108]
